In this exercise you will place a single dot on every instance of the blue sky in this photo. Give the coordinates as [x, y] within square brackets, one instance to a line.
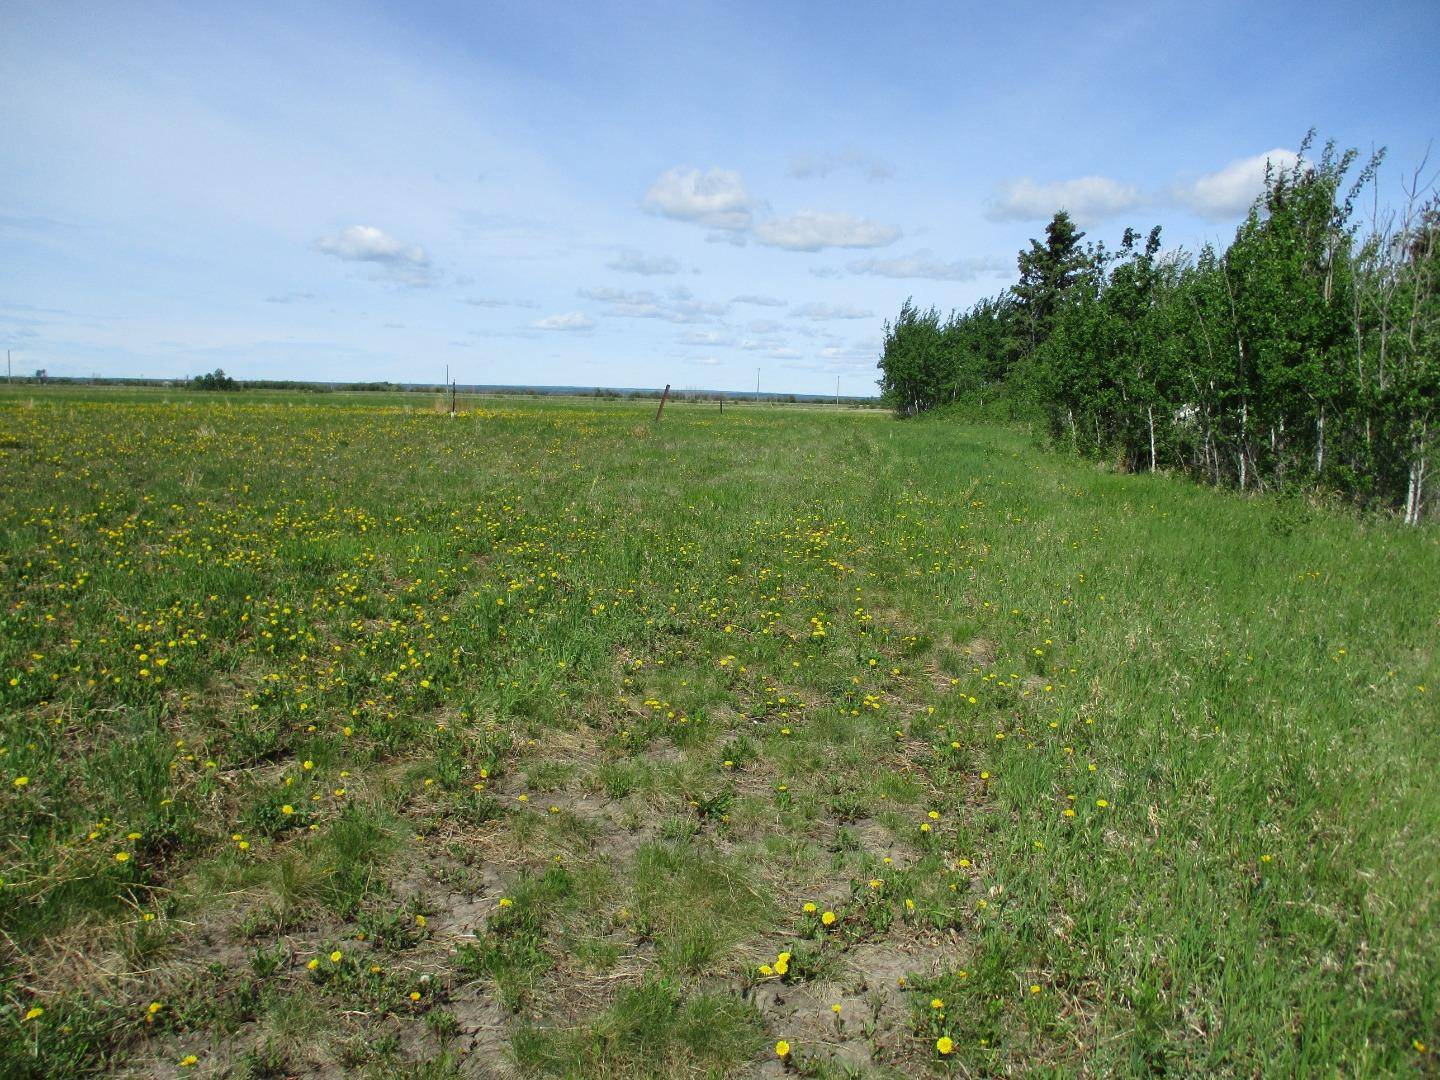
[626, 194]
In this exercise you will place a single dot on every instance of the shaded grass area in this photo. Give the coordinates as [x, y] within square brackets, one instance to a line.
[557, 719]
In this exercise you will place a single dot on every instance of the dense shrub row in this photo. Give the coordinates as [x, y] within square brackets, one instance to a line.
[1305, 353]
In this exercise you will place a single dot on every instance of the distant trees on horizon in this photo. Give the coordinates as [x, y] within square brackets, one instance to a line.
[215, 380]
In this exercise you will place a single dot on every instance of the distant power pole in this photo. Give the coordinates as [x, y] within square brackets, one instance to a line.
[9, 375]
[757, 382]
[837, 391]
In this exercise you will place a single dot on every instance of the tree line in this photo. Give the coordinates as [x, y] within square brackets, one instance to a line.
[1306, 353]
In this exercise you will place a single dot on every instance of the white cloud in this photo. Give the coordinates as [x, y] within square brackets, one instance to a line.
[1228, 193]
[829, 272]
[861, 353]
[924, 264]
[811, 230]
[399, 261]
[719, 200]
[571, 320]
[678, 305]
[488, 302]
[759, 301]
[734, 239]
[764, 326]
[608, 294]
[705, 337]
[716, 198]
[830, 311]
[1087, 198]
[705, 361]
[817, 166]
[630, 261]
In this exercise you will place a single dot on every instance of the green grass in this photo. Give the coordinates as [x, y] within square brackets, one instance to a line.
[1134, 776]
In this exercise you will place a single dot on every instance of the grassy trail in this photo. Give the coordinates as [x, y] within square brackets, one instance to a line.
[344, 736]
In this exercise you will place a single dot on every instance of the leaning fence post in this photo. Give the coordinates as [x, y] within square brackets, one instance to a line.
[661, 409]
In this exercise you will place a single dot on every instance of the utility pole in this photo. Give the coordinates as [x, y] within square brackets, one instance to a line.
[757, 382]
[837, 391]
[9, 374]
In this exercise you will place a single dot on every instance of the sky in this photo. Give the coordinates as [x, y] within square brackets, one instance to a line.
[628, 194]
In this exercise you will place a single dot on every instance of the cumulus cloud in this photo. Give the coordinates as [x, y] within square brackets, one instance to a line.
[1228, 193]
[705, 337]
[1087, 198]
[399, 261]
[764, 326]
[811, 230]
[830, 311]
[630, 261]
[571, 320]
[715, 198]
[864, 351]
[719, 200]
[490, 302]
[924, 264]
[678, 305]
[759, 301]
[819, 166]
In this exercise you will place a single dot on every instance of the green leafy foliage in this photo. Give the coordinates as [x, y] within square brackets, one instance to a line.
[1303, 355]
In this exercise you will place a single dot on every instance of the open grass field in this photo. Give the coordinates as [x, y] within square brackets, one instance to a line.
[338, 736]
